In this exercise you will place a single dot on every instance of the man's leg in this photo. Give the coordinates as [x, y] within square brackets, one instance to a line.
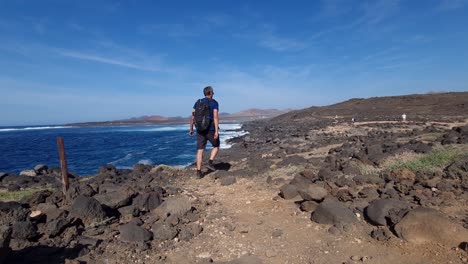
[215, 142]
[201, 144]
[199, 159]
[214, 152]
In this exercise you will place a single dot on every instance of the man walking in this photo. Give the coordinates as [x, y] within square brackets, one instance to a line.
[208, 132]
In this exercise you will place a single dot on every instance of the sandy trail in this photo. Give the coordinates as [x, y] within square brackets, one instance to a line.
[249, 218]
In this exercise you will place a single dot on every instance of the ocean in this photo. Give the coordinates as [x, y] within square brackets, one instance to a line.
[88, 148]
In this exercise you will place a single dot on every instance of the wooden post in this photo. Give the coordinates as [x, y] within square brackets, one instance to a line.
[63, 164]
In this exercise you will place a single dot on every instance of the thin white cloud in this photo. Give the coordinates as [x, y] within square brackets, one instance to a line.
[111, 61]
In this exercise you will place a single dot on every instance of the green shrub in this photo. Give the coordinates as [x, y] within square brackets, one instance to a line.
[436, 160]
[18, 195]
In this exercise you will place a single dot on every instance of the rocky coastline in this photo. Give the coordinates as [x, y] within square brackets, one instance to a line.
[397, 186]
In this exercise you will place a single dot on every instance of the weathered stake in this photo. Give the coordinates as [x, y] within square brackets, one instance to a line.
[63, 164]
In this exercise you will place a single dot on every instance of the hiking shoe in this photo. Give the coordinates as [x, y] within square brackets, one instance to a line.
[199, 174]
[210, 167]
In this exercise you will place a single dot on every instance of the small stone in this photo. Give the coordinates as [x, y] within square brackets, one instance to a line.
[270, 253]
[355, 258]
[334, 231]
[277, 233]
[35, 214]
[204, 255]
[244, 229]
[365, 258]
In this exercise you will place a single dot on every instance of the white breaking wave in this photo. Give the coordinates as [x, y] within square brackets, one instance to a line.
[225, 136]
[157, 128]
[32, 128]
[146, 162]
[127, 157]
[230, 126]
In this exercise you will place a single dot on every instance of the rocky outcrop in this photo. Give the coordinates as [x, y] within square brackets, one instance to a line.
[424, 225]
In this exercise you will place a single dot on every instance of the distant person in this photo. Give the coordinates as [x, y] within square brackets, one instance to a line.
[206, 120]
[403, 116]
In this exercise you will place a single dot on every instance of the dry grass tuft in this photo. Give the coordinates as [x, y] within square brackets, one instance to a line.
[6, 196]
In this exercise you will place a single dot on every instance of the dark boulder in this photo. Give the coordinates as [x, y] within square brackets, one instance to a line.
[146, 202]
[300, 181]
[333, 212]
[51, 211]
[24, 230]
[82, 189]
[116, 199]
[312, 192]
[88, 209]
[57, 226]
[142, 168]
[378, 211]
[424, 225]
[288, 191]
[41, 169]
[163, 231]
[308, 206]
[134, 233]
[325, 174]
[12, 212]
[175, 205]
[36, 198]
[107, 169]
[227, 180]
[5, 237]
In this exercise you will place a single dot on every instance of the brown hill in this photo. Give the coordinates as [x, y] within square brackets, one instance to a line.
[420, 106]
[254, 112]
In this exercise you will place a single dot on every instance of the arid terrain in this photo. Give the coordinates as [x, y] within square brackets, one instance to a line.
[309, 186]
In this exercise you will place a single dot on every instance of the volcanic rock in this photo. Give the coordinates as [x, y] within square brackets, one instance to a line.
[312, 192]
[107, 169]
[308, 206]
[332, 212]
[288, 191]
[5, 236]
[163, 231]
[378, 210]
[116, 199]
[41, 169]
[36, 198]
[174, 205]
[82, 189]
[88, 209]
[57, 226]
[147, 201]
[133, 233]
[425, 225]
[228, 180]
[12, 212]
[24, 230]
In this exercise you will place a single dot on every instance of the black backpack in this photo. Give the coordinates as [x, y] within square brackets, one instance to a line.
[202, 116]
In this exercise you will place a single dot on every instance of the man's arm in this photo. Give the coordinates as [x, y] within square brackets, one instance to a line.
[192, 119]
[216, 122]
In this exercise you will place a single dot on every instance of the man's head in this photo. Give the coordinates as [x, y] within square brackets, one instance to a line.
[208, 91]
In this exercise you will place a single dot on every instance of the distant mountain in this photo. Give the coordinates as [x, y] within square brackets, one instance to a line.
[265, 113]
[242, 116]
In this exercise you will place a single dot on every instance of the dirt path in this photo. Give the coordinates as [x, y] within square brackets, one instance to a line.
[248, 218]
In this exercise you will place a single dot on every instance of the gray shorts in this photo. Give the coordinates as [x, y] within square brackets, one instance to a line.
[204, 137]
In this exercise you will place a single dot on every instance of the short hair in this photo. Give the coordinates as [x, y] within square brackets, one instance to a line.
[207, 90]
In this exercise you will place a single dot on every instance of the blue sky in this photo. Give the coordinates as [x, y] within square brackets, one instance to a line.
[71, 61]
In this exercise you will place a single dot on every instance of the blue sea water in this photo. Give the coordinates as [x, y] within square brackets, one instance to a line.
[87, 148]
